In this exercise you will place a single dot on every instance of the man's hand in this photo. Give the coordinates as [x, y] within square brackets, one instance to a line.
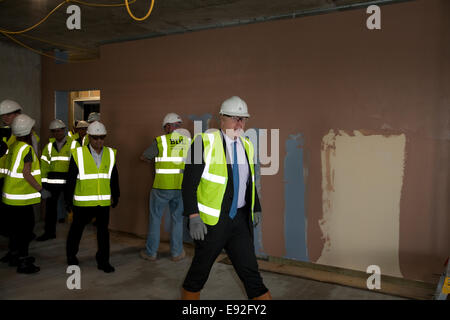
[256, 218]
[197, 229]
[45, 194]
[114, 202]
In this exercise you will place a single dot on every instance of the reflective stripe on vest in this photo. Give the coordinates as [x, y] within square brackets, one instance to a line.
[16, 190]
[85, 141]
[53, 181]
[169, 164]
[93, 184]
[9, 142]
[56, 161]
[211, 189]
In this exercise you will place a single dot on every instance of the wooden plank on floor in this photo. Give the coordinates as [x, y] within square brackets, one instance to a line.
[389, 285]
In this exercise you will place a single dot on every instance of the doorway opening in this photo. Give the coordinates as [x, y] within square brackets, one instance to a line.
[73, 106]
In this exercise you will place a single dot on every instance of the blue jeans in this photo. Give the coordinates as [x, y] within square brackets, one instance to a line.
[159, 199]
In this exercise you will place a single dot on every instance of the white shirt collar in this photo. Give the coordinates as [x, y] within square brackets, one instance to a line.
[228, 140]
[93, 150]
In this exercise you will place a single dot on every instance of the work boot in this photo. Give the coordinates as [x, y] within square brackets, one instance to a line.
[26, 265]
[265, 296]
[106, 267]
[179, 257]
[13, 260]
[189, 295]
[46, 237]
[6, 258]
[72, 261]
[144, 255]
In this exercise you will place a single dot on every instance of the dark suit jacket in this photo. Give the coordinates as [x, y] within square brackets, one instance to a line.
[193, 173]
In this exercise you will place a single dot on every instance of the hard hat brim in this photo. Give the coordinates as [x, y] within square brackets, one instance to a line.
[235, 114]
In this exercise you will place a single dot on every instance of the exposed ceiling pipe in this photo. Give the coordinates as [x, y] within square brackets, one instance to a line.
[293, 15]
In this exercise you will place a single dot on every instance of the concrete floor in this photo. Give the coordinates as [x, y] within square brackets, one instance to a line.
[139, 279]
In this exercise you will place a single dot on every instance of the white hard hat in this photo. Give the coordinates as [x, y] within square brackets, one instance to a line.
[21, 125]
[8, 106]
[57, 124]
[234, 106]
[82, 124]
[171, 118]
[93, 116]
[96, 129]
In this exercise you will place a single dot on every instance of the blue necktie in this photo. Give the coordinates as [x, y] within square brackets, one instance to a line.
[233, 209]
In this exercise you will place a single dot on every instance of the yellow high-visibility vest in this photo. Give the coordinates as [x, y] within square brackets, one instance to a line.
[93, 184]
[211, 189]
[169, 164]
[8, 142]
[54, 161]
[85, 140]
[16, 190]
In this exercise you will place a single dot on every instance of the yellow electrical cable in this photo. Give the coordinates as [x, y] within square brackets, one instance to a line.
[8, 33]
[24, 45]
[58, 6]
[39, 52]
[139, 19]
[56, 44]
[37, 24]
[100, 4]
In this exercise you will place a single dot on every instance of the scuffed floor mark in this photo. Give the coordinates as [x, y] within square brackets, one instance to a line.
[362, 178]
[295, 224]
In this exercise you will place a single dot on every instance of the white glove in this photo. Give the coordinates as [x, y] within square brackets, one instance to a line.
[45, 194]
[197, 229]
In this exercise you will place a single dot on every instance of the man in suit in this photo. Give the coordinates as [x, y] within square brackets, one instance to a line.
[222, 204]
[92, 188]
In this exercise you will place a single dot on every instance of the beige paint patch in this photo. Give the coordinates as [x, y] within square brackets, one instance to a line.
[362, 178]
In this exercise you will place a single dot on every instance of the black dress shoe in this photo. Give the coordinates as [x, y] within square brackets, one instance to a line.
[6, 258]
[46, 237]
[13, 260]
[106, 267]
[72, 261]
[26, 266]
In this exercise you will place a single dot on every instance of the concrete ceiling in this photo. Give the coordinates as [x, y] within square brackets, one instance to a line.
[101, 25]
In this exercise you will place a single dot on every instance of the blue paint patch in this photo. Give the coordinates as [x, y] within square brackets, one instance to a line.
[295, 222]
[257, 235]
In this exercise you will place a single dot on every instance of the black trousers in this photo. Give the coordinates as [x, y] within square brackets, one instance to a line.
[83, 216]
[4, 219]
[21, 222]
[51, 208]
[235, 237]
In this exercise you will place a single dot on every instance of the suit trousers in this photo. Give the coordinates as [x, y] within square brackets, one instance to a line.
[21, 222]
[233, 235]
[81, 217]
[51, 208]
